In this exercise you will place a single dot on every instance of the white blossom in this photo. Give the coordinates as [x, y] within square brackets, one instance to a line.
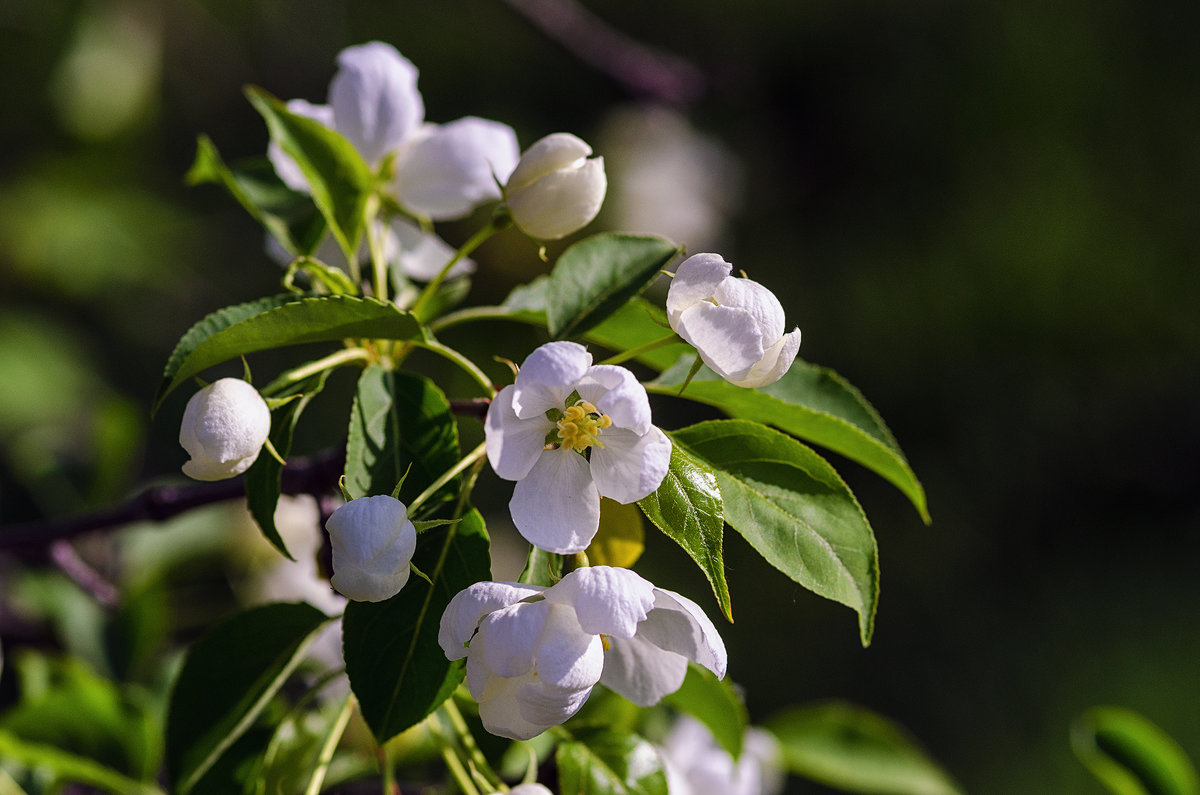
[528, 789]
[570, 432]
[441, 171]
[535, 653]
[373, 543]
[736, 324]
[224, 426]
[556, 188]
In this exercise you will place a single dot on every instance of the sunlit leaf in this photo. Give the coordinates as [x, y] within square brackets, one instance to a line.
[793, 508]
[620, 539]
[397, 670]
[279, 321]
[1130, 755]
[337, 176]
[687, 508]
[812, 403]
[851, 748]
[595, 276]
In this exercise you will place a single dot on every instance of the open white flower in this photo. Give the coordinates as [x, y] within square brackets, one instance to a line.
[556, 188]
[534, 653]
[373, 543]
[736, 324]
[570, 432]
[224, 426]
[697, 765]
[441, 171]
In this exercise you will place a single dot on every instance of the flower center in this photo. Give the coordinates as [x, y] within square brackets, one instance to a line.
[580, 427]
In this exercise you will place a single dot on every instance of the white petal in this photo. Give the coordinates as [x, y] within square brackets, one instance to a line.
[556, 506]
[629, 466]
[375, 100]
[513, 444]
[284, 165]
[223, 428]
[756, 301]
[567, 657]
[547, 706]
[422, 255]
[509, 638]
[468, 607]
[678, 624]
[641, 671]
[727, 338]
[547, 155]
[696, 279]
[607, 600]
[203, 469]
[561, 202]
[775, 362]
[452, 169]
[373, 543]
[616, 392]
[548, 376]
[499, 708]
[529, 789]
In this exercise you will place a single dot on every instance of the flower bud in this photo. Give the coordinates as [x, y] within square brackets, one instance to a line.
[556, 189]
[373, 543]
[224, 426]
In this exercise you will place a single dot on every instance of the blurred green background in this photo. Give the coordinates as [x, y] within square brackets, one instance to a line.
[984, 215]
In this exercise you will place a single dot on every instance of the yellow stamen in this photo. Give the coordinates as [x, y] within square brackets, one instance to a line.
[580, 426]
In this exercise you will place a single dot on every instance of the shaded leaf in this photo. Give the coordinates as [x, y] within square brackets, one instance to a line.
[595, 276]
[687, 508]
[337, 176]
[854, 749]
[792, 507]
[397, 670]
[715, 703]
[620, 539]
[281, 321]
[541, 568]
[264, 476]
[398, 420]
[1130, 755]
[598, 761]
[812, 403]
[289, 216]
[228, 677]
[68, 767]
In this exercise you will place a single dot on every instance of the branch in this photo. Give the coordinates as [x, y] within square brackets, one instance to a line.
[315, 475]
[644, 71]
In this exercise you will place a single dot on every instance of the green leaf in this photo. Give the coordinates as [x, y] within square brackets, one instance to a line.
[1130, 755]
[398, 420]
[288, 215]
[597, 761]
[279, 321]
[541, 568]
[636, 323]
[851, 748]
[687, 507]
[792, 507]
[228, 677]
[812, 403]
[337, 176]
[265, 474]
[716, 704]
[68, 767]
[397, 670]
[595, 276]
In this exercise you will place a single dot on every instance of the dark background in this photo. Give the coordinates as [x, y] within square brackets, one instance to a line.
[983, 215]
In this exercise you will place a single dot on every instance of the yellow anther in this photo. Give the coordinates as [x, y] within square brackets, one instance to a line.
[605, 642]
[580, 426]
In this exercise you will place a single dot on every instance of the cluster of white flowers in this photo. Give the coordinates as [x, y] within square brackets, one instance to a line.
[534, 654]
[567, 431]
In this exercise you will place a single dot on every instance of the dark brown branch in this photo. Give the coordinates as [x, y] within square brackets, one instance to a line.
[314, 475]
[646, 72]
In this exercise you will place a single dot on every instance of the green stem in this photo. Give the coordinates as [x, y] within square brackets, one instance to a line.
[330, 745]
[458, 770]
[379, 280]
[480, 313]
[498, 222]
[465, 364]
[389, 770]
[632, 353]
[447, 476]
[450, 709]
[335, 359]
